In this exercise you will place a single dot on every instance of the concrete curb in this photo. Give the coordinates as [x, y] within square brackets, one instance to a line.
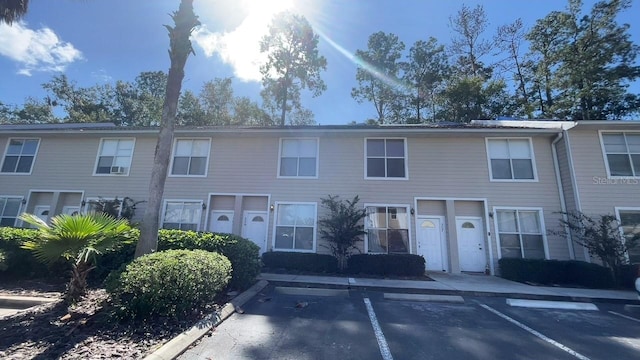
[459, 292]
[180, 343]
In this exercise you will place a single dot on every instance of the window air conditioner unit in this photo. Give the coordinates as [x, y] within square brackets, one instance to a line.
[118, 169]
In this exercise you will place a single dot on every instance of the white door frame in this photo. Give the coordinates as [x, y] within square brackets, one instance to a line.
[444, 253]
[245, 220]
[482, 234]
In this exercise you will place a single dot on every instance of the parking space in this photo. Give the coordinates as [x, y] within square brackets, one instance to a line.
[286, 323]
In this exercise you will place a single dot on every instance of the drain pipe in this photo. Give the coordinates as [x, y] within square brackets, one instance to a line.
[563, 205]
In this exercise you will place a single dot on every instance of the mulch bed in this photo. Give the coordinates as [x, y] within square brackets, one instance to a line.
[86, 330]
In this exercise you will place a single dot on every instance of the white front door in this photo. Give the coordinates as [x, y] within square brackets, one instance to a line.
[42, 211]
[471, 244]
[71, 210]
[254, 228]
[430, 232]
[221, 221]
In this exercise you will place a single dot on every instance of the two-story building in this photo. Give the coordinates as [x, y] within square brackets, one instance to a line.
[463, 196]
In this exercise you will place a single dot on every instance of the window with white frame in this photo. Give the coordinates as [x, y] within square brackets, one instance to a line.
[511, 159]
[630, 223]
[295, 227]
[114, 156]
[298, 158]
[190, 157]
[386, 158]
[182, 215]
[622, 152]
[19, 156]
[387, 229]
[9, 210]
[520, 233]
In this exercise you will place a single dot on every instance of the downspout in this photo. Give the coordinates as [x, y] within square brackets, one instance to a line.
[563, 206]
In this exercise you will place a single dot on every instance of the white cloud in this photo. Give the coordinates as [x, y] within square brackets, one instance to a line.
[36, 50]
[240, 47]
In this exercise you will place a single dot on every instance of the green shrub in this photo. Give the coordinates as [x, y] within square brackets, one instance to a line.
[243, 253]
[3, 261]
[548, 272]
[627, 275]
[20, 263]
[170, 283]
[318, 263]
[387, 264]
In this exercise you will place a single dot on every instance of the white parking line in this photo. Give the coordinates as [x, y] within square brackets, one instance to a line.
[535, 333]
[382, 342]
[624, 316]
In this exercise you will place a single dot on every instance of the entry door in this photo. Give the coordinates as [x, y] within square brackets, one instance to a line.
[71, 210]
[254, 228]
[471, 244]
[431, 245]
[42, 211]
[221, 221]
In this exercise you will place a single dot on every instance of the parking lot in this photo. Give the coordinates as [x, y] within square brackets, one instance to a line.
[298, 323]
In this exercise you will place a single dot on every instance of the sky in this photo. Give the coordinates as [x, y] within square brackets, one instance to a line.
[98, 41]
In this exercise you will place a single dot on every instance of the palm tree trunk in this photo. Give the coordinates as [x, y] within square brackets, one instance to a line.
[180, 47]
[78, 284]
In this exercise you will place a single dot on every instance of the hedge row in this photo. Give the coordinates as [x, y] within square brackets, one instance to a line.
[547, 272]
[243, 254]
[384, 265]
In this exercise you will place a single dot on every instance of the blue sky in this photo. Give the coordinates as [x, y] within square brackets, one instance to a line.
[94, 41]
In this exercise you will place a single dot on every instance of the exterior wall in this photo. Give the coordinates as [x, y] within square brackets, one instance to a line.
[449, 169]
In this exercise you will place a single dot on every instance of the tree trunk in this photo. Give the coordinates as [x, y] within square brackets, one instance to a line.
[78, 283]
[180, 47]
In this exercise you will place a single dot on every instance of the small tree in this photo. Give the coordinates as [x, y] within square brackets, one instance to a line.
[342, 227]
[76, 239]
[602, 236]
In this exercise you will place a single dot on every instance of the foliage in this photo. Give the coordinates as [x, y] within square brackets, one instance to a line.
[243, 253]
[20, 263]
[125, 208]
[12, 10]
[378, 74]
[293, 63]
[387, 264]
[342, 227]
[3, 261]
[76, 239]
[601, 235]
[172, 283]
[317, 263]
[549, 272]
[467, 44]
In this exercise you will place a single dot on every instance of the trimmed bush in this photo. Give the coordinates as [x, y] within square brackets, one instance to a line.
[318, 263]
[170, 283]
[243, 253]
[387, 264]
[20, 263]
[548, 272]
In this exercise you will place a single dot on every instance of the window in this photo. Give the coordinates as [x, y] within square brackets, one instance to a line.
[107, 205]
[114, 156]
[511, 159]
[182, 215]
[19, 156]
[630, 222]
[9, 210]
[622, 153]
[387, 229]
[190, 157]
[520, 234]
[386, 158]
[295, 227]
[298, 158]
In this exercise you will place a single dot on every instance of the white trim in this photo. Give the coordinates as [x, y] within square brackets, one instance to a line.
[406, 158]
[133, 147]
[574, 184]
[617, 209]
[275, 224]
[543, 228]
[606, 160]
[533, 159]
[20, 208]
[563, 205]
[408, 209]
[35, 155]
[164, 209]
[317, 139]
[173, 150]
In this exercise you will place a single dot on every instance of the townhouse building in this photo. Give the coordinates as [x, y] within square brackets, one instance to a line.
[461, 195]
